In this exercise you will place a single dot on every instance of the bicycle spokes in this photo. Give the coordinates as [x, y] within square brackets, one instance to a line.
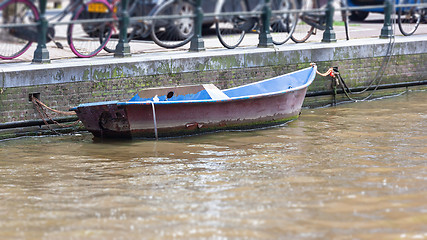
[283, 23]
[409, 18]
[17, 38]
[88, 38]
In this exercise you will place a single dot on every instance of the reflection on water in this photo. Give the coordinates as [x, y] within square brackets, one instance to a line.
[355, 171]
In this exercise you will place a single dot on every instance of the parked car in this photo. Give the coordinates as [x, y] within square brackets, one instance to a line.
[360, 15]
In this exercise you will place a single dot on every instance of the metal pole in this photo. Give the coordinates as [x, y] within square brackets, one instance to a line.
[123, 48]
[197, 44]
[329, 33]
[265, 36]
[41, 54]
[386, 30]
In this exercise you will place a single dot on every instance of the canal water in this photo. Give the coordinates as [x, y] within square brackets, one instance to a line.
[354, 171]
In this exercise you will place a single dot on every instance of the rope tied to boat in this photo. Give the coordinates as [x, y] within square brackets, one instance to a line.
[154, 120]
[338, 80]
[41, 109]
[51, 109]
[330, 71]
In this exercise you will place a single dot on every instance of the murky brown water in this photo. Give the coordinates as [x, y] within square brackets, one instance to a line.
[355, 171]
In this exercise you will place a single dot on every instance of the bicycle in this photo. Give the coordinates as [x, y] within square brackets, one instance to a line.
[173, 22]
[410, 17]
[139, 28]
[86, 39]
[311, 21]
[169, 23]
[235, 18]
[303, 30]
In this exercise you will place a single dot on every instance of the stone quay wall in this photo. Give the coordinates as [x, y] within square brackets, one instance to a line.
[66, 83]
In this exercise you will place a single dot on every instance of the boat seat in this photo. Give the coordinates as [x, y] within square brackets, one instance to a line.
[214, 92]
[180, 93]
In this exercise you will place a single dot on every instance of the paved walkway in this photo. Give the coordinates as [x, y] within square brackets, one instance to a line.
[368, 29]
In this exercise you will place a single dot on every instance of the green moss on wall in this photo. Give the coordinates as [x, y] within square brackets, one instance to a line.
[117, 83]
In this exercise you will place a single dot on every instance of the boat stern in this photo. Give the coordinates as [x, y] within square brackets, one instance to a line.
[104, 119]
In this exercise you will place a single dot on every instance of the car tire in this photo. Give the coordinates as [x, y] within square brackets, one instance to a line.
[184, 27]
[173, 33]
[358, 16]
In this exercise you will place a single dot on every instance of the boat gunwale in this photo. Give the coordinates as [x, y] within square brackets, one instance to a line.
[269, 79]
[231, 98]
[272, 94]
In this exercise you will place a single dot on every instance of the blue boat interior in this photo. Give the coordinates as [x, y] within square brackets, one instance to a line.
[196, 96]
[276, 84]
[288, 82]
[181, 93]
[210, 92]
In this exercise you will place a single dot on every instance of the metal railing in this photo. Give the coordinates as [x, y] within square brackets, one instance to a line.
[41, 54]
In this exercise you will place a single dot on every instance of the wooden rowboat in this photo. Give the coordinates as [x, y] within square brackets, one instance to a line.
[186, 110]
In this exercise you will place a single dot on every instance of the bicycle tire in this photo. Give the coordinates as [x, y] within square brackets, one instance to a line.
[303, 31]
[231, 29]
[134, 10]
[15, 41]
[110, 46]
[88, 39]
[173, 32]
[409, 18]
[282, 25]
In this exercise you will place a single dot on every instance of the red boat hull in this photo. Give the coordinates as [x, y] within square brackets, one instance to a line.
[137, 120]
[187, 110]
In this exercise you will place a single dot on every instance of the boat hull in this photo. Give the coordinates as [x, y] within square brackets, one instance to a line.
[188, 110]
[114, 120]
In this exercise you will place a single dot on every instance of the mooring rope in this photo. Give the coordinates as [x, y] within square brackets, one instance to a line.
[327, 73]
[155, 121]
[43, 114]
[53, 110]
[377, 78]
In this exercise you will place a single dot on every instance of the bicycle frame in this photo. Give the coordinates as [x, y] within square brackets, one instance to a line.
[83, 14]
[70, 8]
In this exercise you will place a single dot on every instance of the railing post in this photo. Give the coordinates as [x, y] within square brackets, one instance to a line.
[123, 48]
[386, 30]
[329, 33]
[41, 54]
[264, 36]
[197, 44]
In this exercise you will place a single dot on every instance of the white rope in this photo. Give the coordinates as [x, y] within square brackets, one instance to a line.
[155, 121]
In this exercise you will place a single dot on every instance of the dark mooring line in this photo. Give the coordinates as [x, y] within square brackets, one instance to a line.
[358, 89]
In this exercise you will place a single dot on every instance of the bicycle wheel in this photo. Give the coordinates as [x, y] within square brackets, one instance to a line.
[168, 31]
[282, 25]
[302, 30]
[15, 40]
[409, 18]
[111, 44]
[230, 28]
[88, 39]
[141, 28]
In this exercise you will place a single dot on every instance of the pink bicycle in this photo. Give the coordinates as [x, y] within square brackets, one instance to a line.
[88, 32]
